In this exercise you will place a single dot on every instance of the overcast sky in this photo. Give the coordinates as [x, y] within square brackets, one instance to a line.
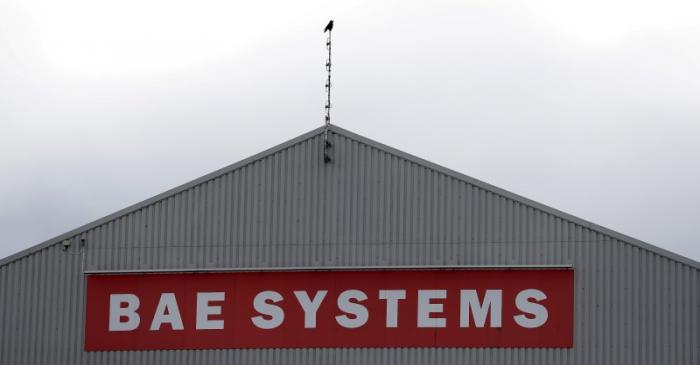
[592, 108]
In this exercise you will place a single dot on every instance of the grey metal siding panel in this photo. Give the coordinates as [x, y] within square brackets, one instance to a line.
[368, 208]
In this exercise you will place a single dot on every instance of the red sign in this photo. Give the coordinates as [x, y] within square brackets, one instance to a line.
[367, 308]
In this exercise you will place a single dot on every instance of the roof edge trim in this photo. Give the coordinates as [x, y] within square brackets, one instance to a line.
[168, 193]
[370, 142]
[507, 194]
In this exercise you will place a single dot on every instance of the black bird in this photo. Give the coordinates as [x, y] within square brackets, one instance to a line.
[329, 27]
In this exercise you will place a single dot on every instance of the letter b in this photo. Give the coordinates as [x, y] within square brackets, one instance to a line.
[117, 312]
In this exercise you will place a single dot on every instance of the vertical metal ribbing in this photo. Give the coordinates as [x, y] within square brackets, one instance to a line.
[370, 207]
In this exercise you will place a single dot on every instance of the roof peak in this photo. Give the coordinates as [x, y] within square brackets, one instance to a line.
[372, 143]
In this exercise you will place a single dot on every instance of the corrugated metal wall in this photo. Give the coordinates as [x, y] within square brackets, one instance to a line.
[368, 208]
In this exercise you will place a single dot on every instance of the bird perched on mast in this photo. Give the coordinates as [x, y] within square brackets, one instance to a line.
[327, 144]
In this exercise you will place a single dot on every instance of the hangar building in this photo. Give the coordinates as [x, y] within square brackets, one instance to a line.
[377, 257]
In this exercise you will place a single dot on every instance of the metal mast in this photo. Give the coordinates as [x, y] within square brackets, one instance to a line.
[326, 143]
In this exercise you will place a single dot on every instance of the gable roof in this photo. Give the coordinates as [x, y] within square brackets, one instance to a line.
[374, 144]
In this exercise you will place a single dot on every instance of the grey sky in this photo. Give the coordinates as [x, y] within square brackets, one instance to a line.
[591, 108]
